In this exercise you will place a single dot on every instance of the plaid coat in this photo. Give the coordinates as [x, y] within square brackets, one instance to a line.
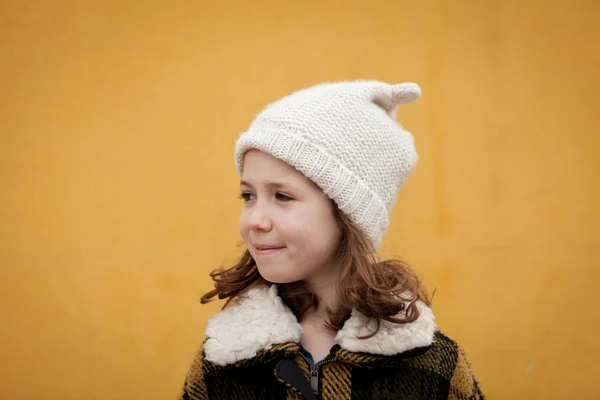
[252, 352]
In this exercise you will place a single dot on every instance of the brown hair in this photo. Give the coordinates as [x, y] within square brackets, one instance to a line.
[383, 290]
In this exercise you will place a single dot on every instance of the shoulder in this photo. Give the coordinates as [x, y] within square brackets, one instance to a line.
[440, 367]
[257, 321]
[194, 386]
[448, 360]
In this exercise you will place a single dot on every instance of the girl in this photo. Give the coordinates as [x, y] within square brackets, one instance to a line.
[311, 312]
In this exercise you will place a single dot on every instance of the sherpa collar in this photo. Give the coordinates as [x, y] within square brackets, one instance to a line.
[259, 319]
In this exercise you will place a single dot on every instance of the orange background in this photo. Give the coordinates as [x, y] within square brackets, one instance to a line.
[118, 189]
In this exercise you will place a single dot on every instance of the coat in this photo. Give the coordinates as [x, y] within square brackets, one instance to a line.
[252, 351]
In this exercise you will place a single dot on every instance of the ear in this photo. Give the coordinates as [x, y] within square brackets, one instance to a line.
[391, 96]
[405, 93]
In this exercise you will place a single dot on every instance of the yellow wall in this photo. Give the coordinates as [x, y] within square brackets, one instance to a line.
[118, 192]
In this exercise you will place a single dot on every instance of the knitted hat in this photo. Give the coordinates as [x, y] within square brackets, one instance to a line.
[345, 138]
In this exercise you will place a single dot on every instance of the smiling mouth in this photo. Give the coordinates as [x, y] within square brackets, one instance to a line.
[263, 251]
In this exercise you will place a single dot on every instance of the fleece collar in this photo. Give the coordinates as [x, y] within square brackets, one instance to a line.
[259, 319]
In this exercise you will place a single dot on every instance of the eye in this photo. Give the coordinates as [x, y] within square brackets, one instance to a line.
[246, 196]
[283, 197]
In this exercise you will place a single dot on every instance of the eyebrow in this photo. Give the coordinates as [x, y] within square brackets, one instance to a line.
[275, 185]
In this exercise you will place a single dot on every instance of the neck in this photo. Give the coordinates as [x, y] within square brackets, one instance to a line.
[324, 286]
[326, 292]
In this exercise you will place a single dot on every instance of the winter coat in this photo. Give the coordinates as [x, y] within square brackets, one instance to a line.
[252, 351]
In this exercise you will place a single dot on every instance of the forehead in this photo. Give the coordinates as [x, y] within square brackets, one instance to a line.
[259, 167]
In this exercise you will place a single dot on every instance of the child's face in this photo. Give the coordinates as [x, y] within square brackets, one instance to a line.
[286, 221]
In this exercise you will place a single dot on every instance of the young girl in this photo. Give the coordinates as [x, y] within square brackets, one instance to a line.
[311, 312]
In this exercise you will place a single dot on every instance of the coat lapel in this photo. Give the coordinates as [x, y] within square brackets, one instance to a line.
[259, 319]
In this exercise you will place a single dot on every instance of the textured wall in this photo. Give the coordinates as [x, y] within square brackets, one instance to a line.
[118, 191]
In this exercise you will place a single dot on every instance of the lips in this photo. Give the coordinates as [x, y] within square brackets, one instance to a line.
[267, 249]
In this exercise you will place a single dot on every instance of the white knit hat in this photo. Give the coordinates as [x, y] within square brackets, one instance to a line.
[345, 138]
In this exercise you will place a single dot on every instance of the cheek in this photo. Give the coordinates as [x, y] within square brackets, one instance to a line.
[243, 225]
[316, 236]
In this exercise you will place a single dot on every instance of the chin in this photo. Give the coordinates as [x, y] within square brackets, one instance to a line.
[276, 276]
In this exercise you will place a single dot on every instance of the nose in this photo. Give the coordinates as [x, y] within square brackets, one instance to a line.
[258, 218]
